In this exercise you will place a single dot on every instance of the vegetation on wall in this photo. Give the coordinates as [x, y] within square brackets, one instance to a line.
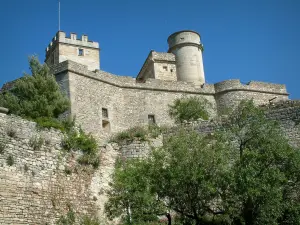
[71, 218]
[246, 173]
[78, 140]
[37, 95]
[142, 133]
[189, 109]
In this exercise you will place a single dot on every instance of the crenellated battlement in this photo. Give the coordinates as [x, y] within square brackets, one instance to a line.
[73, 39]
[237, 85]
[72, 47]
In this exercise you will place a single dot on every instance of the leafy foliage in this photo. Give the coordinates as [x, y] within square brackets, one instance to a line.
[86, 143]
[189, 109]
[246, 173]
[36, 95]
[131, 196]
[131, 134]
[36, 142]
[71, 218]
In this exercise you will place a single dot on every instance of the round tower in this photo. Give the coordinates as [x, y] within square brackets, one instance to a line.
[187, 48]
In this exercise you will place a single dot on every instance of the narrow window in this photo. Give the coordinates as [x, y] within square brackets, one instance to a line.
[104, 113]
[151, 119]
[165, 68]
[106, 126]
[171, 70]
[80, 52]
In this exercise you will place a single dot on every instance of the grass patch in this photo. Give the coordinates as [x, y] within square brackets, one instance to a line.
[64, 125]
[36, 142]
[86, 143]
[139, 133]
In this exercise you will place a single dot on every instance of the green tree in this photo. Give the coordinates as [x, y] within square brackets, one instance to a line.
[131, 196]
[37, 95]
[189, 109]
[246, 173]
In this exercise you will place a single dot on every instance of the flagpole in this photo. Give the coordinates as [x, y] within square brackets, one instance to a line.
[59, 15]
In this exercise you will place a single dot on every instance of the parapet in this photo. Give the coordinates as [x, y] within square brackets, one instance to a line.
[236, 85]
[184, 37]
[61, 37]
[127, 82]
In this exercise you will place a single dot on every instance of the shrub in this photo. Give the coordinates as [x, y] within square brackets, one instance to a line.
[68, 219]
[10, 160]
[46, 122]
[189, 109]
[36, 142]
[155, 131]
[64, 125]
[89, 160]
[86, 143]
[80, 141]
[130, 134]
[86, 220]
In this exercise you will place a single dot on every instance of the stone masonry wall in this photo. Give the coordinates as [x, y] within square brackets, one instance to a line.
[38, 185]
[129, 102]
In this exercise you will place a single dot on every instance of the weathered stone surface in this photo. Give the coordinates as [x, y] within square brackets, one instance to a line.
[34, 185]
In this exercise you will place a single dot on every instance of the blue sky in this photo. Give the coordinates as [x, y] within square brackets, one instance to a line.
[243, 39]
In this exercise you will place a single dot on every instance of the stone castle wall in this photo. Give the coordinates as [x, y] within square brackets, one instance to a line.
[40, 184]
[129, 102]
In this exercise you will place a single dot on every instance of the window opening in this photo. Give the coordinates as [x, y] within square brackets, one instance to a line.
[165, 68]
[104, 113]
[151, 119]
[80, 52]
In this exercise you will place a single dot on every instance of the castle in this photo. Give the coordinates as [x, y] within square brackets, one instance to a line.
[105, 103]
[40, 185]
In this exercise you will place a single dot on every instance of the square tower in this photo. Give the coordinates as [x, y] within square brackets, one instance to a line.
[82, 51]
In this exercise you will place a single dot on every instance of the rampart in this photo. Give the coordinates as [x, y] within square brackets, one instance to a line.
[129, 102]
[39, 184]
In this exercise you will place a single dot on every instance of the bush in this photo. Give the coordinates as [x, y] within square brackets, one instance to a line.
[86, 220]
[131, 134]
[69, 219]
[46, 122]
[80, 141]
[189, 109]
[86, 143]
[155, 131]
[36, 142]
[89, 160]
